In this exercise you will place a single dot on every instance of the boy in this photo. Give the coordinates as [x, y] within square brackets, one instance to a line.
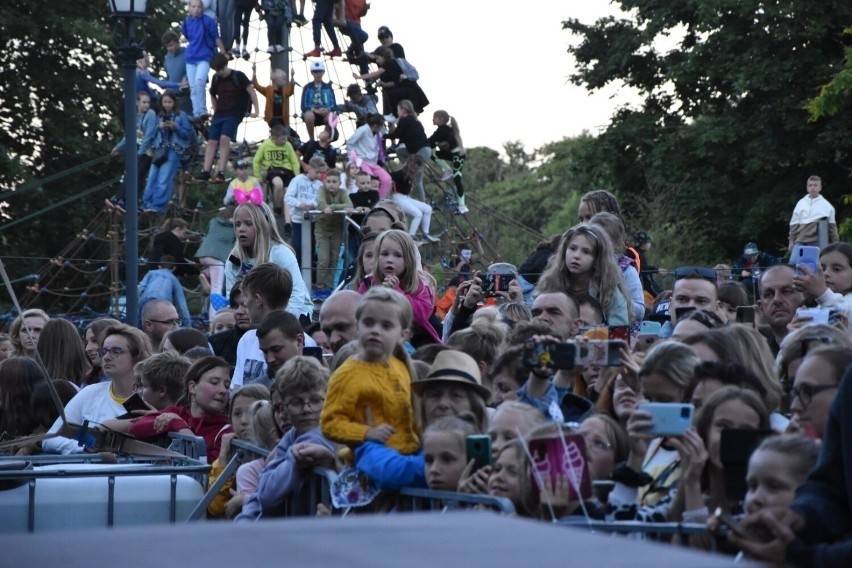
[243, 183]
[277, 156]
[175, 65]
[806, 217]
[300, 385]
[159, 379]
[277, 95]
[302, 196]
[317, 99]
[200, 30]
[362, 201]
[329, 228]
[230, 93]
[162, 284]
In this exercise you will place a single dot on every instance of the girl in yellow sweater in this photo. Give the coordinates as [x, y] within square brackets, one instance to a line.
[369, 396]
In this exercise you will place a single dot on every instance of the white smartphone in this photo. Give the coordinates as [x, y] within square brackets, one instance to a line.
[670, 418]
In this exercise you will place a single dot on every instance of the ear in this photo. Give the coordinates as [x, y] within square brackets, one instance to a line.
[259, 300]
[575, 329]
[300, 341]
[190, 387]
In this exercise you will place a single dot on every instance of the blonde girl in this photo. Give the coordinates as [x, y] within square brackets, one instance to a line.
[444, 452]
[365, 261]
[584, 263]
[449, 150]
[258, 241]
[369, 396]
[398, 267]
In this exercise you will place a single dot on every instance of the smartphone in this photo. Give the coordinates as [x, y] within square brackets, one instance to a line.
[727, 521]
[621, 332]
[817, 315]
[135, 402]
[599, 353]
[745, 314]
[735, 448]
[550, 355]
[497, 278]
[650, 327]
[806, 255]
[551, 458]
[644, 341]
[680, 312]
[479, 450]
[315, 352]
[670, 418]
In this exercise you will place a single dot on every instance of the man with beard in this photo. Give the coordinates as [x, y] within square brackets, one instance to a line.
[777, 303]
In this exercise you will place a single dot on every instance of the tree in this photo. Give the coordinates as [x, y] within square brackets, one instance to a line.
[722, 126]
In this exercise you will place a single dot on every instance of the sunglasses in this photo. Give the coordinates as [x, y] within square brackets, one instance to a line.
[695, 272]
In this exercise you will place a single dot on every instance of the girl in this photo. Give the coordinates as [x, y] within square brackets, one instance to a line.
[398, 268]
[223, 320]
[5, 347]
[618, 399]
[349, 178]
[365, 262]
[447, 142]
[778, 466]
[258, 241]
[25, 330]
[201, 411]
[200, 31]
[240, 419]
[412, 141]
[173, 137]
[418, 209]
[510, 477]
[369, 396]
[366, 150]
[62, 352]
[263, 433]
[606, 445]
[444, 452]
[92, 345]
[585, 263]
[18, 378]
[831, 285]
[614, 228]
[146, 131]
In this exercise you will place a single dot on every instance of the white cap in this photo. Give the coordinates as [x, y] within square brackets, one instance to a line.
[317, 66]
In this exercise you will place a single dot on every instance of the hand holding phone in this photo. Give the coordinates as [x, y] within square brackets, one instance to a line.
[479, 450]
[668, 418]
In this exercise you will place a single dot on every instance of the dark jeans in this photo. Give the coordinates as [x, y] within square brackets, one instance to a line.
[324, 18]
[242, 17]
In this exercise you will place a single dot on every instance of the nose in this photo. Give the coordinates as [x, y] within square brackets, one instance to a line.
[270, 358]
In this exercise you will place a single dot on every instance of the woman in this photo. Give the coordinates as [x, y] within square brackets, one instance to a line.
[62, 352]
[18, 378]
[25, 330]
[123, 346]
[92, 340]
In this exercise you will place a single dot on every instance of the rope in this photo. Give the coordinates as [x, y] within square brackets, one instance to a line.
[35, 184]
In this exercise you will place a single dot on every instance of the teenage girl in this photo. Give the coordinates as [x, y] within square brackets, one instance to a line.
[258, 241]
[201, 411]
[173, 135]
[412, 140]
[831, 285]
[449, 150]
[510, 477]
[369, 396]
[398, 267]
[420, 211]
[584, 263]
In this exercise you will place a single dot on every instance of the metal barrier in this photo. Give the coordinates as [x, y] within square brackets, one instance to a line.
[431, 500]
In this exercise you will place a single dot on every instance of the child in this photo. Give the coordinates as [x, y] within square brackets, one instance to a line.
[277, 157]
[366, 149]
[160, 379]
[240, 419]
[146, 131]
[359, 103]
[222, 321]
[323, 18]
[263, 433]
[363, 199]
[329, 228]
[613, 227]
[242, 19]
[202, 33]
[201, 411]
[369, 396]
[778, 466]
[300, 385]
[398, 267]
[243, 187]
[412, 140]
[318, 102]
[444, 449]
[258, 242]
[302, 196]
[277, 13]
[364, 262]
[5, 347]
[447, 142]
[510, 477]
[831, 285]
[585, 263]
[277, 95]
[162, 284]
[172, 140]
[416, 208]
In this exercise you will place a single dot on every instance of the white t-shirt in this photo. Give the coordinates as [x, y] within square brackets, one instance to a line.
[94, 404]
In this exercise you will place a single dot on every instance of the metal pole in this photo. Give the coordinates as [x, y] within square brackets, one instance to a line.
[131, 219]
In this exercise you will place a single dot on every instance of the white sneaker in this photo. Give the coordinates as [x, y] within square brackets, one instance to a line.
[463, 210]
[235, 51]
[280, 48]
[431, 239]
[271, 49]
[390, 119]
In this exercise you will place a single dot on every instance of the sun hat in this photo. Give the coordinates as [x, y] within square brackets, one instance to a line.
[453, 366]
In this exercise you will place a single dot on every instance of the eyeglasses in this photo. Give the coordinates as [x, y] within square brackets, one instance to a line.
[172, 322]
[297, 404]
[805, 392]
[114, 351]
[597, 443]
[695, 271]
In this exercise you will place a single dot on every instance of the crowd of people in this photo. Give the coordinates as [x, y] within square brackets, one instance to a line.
[549, 392]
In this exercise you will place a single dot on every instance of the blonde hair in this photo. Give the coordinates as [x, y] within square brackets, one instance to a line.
[263, 429]
[483, 338]
[409, 280]
[266, 234]
[606, 278]
[18, 324]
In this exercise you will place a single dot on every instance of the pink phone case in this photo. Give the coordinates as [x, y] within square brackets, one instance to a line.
[551, 458]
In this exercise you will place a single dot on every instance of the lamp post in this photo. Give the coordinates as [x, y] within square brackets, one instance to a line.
[129, 17]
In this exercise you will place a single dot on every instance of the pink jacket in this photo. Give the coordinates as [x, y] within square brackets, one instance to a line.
[422, 306]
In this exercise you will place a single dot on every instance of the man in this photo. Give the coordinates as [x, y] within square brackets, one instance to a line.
[337, 318]
[694, 287]
[806, 217]
[232, 95]
[158, 318]
[778, 302]
[560, 311]
[280, 338]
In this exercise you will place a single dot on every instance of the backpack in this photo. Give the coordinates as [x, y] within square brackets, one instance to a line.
[408, 69]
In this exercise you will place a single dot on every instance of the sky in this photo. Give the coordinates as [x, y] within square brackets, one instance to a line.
[502, 73]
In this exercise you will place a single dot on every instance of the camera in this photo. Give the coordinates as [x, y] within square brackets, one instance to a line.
[497, 278]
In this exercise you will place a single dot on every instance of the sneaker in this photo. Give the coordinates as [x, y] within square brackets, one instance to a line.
[300, 20]
[235, 51]
[271, 49]
[220, 177]
[390, 119]
[203, 176]
[315, 53]
[245, 54]
[279, 48]
[431, 239]
[463, 210]
[335, 52]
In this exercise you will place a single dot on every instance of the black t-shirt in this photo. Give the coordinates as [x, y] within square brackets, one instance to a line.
[366, 199]
[312, 148]
[232, 99]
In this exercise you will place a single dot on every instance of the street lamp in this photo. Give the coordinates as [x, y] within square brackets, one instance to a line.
[128, 15]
